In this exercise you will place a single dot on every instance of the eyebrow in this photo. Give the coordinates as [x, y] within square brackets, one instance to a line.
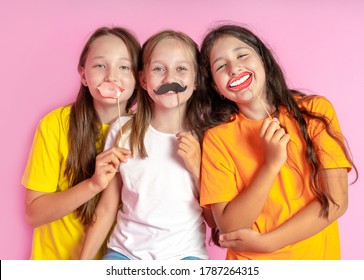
[177, 62]
[102, 57]
[234, 50]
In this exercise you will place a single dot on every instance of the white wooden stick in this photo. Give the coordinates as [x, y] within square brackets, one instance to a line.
[261, 102]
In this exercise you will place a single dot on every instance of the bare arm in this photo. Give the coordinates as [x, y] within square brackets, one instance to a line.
[42, 208]
[189, 150]
[308, 222]
[304, 224]
[105, 214]
[243, 210]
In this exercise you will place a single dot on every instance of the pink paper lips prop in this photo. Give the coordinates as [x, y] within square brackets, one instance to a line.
[110, 90]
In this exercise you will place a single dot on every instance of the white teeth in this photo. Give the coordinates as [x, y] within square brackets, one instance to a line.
[238, 82]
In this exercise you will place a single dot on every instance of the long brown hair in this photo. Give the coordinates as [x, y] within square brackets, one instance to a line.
[85, 138]
[223, 110]
[139, 123]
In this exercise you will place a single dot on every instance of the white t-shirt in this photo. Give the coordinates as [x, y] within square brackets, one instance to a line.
[161, 217]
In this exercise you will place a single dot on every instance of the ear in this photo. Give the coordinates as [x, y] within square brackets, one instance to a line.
[143, 83]
[83, 76]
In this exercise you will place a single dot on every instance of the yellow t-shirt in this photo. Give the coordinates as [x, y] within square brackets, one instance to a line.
[61, 239]
[232, 154]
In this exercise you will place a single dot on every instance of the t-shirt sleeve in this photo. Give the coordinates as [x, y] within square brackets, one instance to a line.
[329, 151]
[218, 182]
[43, 167]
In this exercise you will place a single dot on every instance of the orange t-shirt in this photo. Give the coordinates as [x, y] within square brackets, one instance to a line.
[232, 155]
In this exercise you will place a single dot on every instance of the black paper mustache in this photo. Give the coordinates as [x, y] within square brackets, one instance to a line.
[175, 87]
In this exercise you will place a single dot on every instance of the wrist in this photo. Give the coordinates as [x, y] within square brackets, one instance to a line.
[273, 242]
[271, 168]
[92, 186]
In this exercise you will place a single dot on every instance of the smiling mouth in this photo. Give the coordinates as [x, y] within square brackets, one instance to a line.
[241, 82]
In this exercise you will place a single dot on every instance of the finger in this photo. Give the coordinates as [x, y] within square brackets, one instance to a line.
[271, 129]
[115, 150]
[234, 235]
[188, 147]
[183, 148]
[187, 138]
[120, 153]
[105, 170]
[189, 144]
[115, 160]
[266, 124]
[183, 134]
[285, 139]
[278, 134]
[110, 169]
[233, 245]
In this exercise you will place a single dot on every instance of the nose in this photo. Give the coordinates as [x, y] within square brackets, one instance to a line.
[169, 77]
[111, 75]
[234, 68]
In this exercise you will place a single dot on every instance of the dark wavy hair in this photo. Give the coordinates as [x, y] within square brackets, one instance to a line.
[221, 110]
[85, 138]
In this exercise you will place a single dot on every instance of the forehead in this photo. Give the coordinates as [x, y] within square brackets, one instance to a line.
[227, 44]
[172, 47]
[108, 44]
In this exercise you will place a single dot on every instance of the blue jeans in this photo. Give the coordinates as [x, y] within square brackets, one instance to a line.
[113, 255]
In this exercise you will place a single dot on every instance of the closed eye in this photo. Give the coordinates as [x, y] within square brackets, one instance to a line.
[220, 67]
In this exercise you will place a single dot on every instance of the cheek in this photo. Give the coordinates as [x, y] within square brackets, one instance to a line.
[190, 81]
[219, 83]
[128, 80]
[93, 77]
[153, 81]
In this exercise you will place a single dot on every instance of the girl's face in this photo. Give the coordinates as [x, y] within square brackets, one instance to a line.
[171, 62]
[237, 71]
[108, 60]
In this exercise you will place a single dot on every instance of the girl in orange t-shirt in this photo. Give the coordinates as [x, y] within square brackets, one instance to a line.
[274, 163]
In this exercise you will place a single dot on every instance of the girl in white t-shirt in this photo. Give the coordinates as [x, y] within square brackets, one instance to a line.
[158, 211]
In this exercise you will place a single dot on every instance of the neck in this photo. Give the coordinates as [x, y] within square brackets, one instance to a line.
[257, 111]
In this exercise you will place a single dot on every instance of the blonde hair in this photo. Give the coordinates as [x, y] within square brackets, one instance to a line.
[138, 125]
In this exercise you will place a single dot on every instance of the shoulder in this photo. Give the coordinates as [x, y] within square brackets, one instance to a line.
[315, 104]
[56, 117]
[222, 131]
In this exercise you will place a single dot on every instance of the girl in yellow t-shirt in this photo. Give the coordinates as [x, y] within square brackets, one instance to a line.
[274, 163]
[66, 171]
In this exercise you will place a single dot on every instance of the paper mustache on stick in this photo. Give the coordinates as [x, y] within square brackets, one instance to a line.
[176, 88]
[173, 87]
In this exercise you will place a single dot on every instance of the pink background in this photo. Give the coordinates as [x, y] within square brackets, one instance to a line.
[318, 43]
